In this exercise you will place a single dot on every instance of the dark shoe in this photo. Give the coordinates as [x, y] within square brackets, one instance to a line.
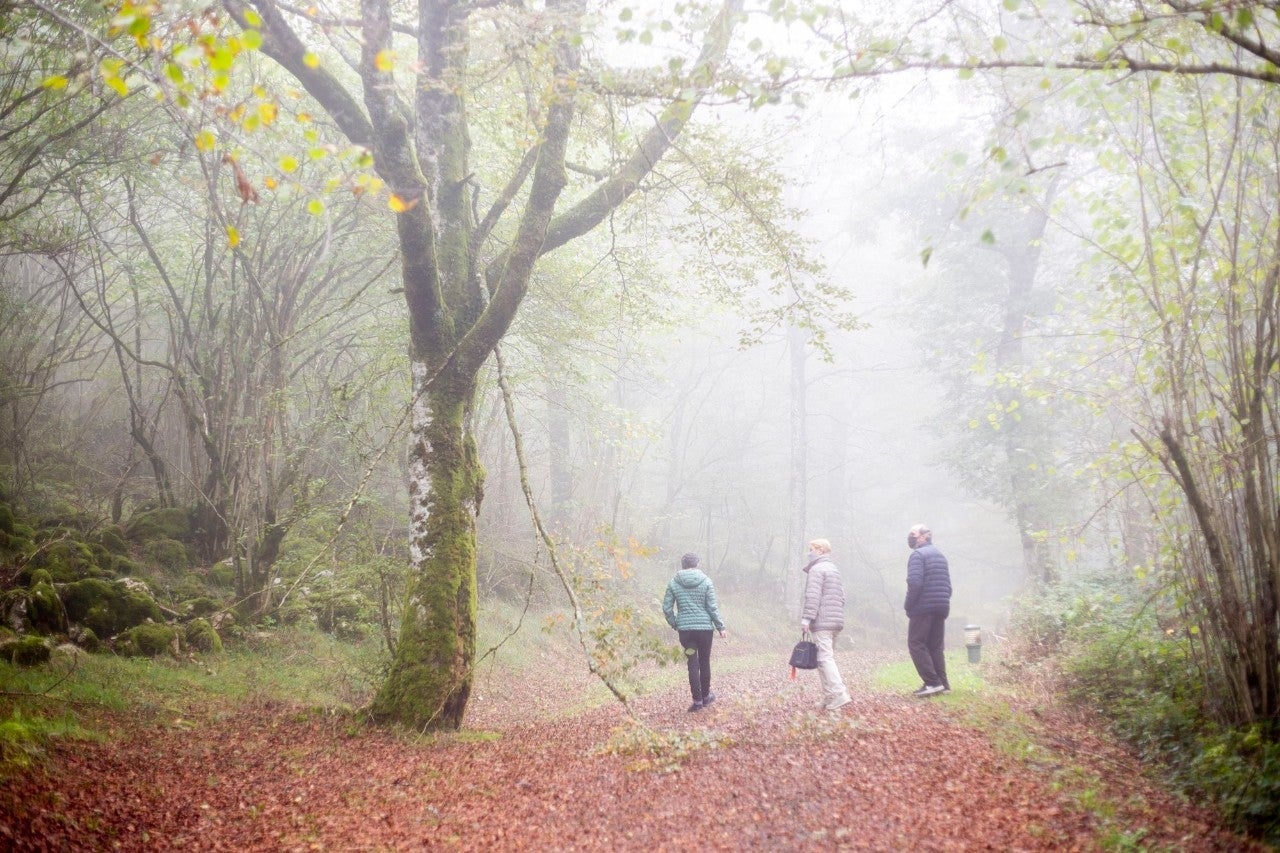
[946, 688]
[929, 690]
[696, 706]
[711, 697]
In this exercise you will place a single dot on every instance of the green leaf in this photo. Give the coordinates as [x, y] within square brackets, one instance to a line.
[1012, 5]
[988, 237]
[999, 44]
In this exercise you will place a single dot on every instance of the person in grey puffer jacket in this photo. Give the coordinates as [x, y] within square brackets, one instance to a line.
[928, 604]
[823, 616]
[691, 608]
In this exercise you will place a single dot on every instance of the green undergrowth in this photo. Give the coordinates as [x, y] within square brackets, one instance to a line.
[997, 709]
[660, 750]
[63, 699]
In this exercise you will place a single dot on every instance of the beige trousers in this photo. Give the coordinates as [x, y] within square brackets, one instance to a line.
[833, 691]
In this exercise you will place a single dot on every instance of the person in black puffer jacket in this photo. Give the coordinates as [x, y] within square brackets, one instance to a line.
[928, 605]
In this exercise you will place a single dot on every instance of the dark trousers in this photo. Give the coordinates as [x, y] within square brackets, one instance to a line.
[697, 650]
[925, 634]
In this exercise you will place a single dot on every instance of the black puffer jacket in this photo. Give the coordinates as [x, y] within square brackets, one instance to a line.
[928, 583]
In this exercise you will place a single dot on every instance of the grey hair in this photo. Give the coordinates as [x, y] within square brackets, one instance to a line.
[922, 532]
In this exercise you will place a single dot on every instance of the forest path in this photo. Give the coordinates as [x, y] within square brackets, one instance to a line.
[760, 769]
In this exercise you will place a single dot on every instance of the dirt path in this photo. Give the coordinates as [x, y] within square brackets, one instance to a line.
[764, 770]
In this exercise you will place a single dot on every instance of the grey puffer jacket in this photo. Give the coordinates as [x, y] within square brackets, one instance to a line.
[928, 583]
[690, 603]
[823, 596]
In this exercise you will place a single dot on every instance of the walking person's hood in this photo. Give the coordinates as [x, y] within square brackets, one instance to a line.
[691, 578]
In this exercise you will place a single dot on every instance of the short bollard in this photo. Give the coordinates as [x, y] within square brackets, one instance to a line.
[973, 642]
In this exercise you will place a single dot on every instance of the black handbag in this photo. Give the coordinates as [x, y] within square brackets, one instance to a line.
[805, 654]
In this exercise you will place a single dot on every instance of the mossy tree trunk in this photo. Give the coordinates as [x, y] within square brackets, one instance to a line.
[465, 274]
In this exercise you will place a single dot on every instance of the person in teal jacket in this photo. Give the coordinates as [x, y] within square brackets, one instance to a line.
[690, 607]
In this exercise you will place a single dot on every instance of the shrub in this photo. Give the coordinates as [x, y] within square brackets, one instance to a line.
[1140, 673]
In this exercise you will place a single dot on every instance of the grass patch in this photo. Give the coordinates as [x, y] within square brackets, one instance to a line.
[966, 678]
[62, 699]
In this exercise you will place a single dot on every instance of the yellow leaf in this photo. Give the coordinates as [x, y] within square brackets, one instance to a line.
[400, 205]
[233, 236]
[310, 60]
[205, 140]
[315, 207]
[385, 60]
[303, 118]
[288, 163]
[269, 182]
[119, 85]
[57, 81]
[267, 112]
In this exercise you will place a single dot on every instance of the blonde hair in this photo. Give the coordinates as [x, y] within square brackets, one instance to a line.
[822, 546]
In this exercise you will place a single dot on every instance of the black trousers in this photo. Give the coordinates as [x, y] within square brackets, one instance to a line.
[697, 651]
[925, 634]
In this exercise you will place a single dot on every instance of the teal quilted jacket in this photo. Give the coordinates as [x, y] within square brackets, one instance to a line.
[690, 602]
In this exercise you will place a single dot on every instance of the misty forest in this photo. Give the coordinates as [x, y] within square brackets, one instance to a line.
[374, 376]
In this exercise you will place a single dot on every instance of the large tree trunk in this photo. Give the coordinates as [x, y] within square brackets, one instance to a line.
[430, 682]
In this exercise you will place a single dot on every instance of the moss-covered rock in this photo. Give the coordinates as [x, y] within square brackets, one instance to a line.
[67, 654]
[7, 519]
[169, 555]
[122, 566]
[109, 607]
[13, 608]
[190, 585]
[170, 523]
[44, 609]
[40, 576]
[199, 606]
[201, 637]
[25, 651]
[84, 638]
[112, 538]
[222, 574]
[148, 640]
[67, 560]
